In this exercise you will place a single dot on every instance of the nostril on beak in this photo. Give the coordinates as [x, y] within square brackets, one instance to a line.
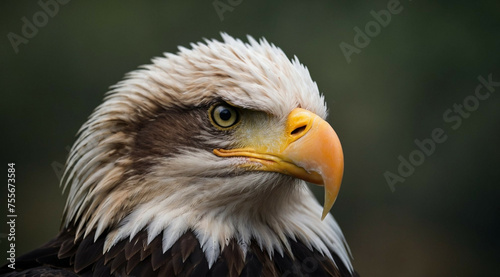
[298, 130]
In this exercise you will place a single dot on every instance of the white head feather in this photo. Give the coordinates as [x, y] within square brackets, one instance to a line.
[189, 190]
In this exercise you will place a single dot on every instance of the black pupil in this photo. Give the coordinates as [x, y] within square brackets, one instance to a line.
[225, 114]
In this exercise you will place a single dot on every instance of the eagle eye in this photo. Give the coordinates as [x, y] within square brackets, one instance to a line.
[224, 115]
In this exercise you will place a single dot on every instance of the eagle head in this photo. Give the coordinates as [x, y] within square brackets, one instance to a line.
[217, 140]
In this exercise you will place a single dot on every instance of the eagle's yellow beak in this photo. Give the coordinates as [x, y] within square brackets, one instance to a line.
[310, 150]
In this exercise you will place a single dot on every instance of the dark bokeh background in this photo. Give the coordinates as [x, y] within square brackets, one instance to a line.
[442, 221]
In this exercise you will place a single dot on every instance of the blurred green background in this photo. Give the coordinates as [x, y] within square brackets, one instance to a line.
[442, 221]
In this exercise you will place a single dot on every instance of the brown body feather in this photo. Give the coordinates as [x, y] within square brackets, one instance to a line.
[65, 257]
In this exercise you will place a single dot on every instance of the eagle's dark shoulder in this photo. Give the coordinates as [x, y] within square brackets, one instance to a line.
[64, 256]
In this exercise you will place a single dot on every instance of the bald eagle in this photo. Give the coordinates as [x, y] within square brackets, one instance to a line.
[195, 165]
